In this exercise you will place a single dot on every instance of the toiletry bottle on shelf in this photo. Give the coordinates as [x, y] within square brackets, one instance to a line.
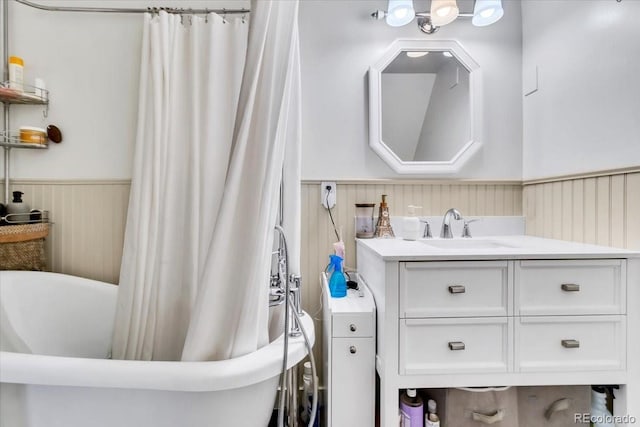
[411, 224]
[600, 415]
[338, 248]
[431, 419]
[16, 73]
[411, 409]
[19, 212]
[337, 282]
[383, 226]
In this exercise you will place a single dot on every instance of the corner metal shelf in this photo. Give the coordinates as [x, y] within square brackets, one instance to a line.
[28, 97]
[11, 140]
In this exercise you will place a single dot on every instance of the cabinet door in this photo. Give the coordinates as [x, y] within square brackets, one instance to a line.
[353, 382]
[455, 289]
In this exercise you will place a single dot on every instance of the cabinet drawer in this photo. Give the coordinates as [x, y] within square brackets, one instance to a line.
[570, 287]
[455, 345]
[352, 325]
[455, 289]
[570, 343]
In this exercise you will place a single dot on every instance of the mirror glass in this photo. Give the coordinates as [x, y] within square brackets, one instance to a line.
[424, 114]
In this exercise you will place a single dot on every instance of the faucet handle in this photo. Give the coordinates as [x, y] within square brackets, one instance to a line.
[466, 232]
[427, 229]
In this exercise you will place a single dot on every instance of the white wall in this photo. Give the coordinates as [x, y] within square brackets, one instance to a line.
[585, 115]
[340, 40]
[90, 63]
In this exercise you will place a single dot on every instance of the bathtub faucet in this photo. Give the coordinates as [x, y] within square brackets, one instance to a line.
[285, 286]
[294, 291]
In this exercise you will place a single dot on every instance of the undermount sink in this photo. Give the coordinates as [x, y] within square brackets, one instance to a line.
[466, 244]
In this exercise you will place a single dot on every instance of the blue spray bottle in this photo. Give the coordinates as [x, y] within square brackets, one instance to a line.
[337, 282]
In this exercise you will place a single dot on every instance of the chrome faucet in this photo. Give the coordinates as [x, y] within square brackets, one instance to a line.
[445, 232]
[466, 233]
[427, 229]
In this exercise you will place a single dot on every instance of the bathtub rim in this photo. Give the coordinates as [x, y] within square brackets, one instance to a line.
[252, 368]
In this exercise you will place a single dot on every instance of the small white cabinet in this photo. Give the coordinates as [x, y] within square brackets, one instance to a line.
[349, 357]
[503, 317]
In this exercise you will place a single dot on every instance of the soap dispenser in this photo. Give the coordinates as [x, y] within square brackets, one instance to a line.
[383, 226]
[18, 211]
[411, 224]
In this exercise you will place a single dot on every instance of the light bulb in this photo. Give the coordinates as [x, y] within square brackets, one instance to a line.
[417, 54]
[443, 11]
[400, 13]
[487, 12]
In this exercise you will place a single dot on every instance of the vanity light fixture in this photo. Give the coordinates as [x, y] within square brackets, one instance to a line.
[441, 12]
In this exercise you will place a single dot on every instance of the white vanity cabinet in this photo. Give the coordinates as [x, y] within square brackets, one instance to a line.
[534, 312]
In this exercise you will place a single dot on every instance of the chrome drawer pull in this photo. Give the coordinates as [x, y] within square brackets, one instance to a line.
[457, 289]
[570, 287]
[353, 349]
[456, 345]
[571, 343]
[352, 327]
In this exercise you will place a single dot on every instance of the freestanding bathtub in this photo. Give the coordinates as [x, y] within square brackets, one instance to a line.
[54, 366]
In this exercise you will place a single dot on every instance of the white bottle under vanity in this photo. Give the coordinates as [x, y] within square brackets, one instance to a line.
[503, 310]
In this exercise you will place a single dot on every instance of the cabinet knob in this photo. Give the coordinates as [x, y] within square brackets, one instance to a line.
[353, 349]
[570, 287]
[456, 345]
[353, 327]
[457, 289]
[570, 343]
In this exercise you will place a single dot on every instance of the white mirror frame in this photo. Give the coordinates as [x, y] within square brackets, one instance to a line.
[375, 108]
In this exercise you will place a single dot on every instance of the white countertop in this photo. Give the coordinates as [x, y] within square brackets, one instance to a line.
[497, 247]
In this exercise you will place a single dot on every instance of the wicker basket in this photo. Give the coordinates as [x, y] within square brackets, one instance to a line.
[22, 246]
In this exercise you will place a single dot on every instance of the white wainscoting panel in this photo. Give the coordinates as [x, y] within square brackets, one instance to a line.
[603, 210]
[88, 224]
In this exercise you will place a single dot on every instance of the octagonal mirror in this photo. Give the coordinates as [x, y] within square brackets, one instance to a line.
[424, 107]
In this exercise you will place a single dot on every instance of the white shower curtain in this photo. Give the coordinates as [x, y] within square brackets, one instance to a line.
[210, 149]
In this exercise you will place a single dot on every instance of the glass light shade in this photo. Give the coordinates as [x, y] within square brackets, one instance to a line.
[487, 12]
[400, 12]
[443, 12]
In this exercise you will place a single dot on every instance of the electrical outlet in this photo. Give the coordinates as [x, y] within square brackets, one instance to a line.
[328, 189]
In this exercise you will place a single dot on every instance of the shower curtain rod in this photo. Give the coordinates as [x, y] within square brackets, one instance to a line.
[132, 10]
